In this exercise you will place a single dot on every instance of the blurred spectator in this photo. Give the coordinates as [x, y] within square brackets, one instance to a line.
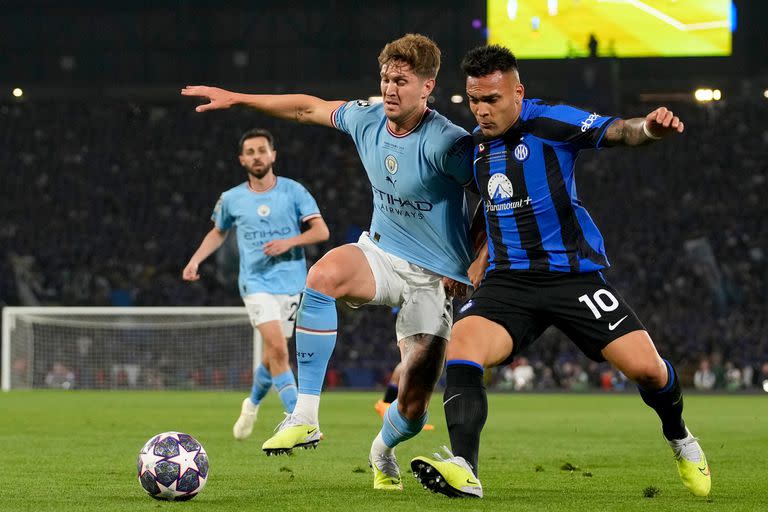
[733, 378]
[518, 375]
[60, 377]
[762, 379]
[704, 379]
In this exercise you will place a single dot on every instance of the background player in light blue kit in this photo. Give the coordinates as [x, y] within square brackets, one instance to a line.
[268, 212]
[417, 162]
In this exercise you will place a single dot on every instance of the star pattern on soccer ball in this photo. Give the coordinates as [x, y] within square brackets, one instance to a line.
[185, 459]
[148, 462]
[169, 492]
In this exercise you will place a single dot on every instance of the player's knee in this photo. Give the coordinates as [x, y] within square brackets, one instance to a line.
[649, 375]
[279, 350]
[461, 346]
[274, 341]
[324, 279]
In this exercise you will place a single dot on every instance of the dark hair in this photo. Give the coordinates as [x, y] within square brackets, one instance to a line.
[484, 60]
[252, 134]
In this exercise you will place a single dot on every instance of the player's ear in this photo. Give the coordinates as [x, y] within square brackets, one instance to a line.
[429, 86]
[519, 93]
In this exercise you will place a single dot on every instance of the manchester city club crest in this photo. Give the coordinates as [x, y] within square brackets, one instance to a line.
[263, 210]
[500, 188]
[390, 162]
[521, 152]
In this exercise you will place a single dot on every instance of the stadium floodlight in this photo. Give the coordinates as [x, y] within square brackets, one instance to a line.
[17, 92]
[717, 95]
[703, 95]
[765, 94]
[457, 98]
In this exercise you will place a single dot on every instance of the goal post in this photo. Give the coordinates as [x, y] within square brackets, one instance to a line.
[128, 348]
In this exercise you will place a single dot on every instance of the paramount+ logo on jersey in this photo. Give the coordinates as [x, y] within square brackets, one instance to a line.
[501, 194]
[390, 203]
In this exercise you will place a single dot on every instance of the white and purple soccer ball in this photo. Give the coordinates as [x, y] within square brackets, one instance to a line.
[172, 466]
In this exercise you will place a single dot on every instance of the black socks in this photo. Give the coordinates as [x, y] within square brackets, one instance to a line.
[466, 409]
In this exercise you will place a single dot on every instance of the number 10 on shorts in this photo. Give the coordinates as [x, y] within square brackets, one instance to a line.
[602, 299]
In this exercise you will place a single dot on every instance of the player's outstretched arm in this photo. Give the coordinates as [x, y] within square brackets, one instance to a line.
[659, 124]
[297, 107]
[210, 243]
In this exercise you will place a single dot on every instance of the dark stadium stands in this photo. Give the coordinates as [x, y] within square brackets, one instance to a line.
[104, 202]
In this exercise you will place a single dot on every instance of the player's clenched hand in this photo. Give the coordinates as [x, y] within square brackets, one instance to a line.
[454, 288]
[190, 272]
[218, 98]
[662, 122]
[476, 270]
[277, 247]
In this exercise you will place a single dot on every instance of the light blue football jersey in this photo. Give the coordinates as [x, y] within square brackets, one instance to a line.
[261, 217]
[419, 209]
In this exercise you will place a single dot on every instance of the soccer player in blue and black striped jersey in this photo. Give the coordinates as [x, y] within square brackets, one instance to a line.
[543, 266]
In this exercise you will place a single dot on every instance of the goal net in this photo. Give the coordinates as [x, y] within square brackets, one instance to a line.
[128, 348]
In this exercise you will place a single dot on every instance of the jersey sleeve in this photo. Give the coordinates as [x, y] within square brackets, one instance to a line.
[348, 116]
[221, 215]
[457, 161]
[306, 206]
[570, 125]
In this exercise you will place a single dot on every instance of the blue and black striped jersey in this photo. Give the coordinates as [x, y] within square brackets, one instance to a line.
[534, 219]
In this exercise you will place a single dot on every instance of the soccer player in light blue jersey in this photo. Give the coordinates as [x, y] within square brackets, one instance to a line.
[268, 212]
[415, 255]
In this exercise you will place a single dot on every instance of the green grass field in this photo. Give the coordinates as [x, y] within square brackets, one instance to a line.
[64, 451]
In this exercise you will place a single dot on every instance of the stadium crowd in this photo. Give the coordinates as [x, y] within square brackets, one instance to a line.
[105, 201]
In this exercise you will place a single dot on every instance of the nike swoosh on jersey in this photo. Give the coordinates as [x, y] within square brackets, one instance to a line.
[614, 326]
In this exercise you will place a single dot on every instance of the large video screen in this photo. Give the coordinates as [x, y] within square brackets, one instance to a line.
[550, 29]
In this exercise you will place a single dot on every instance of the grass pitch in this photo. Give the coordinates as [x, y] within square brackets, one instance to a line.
[76, 451]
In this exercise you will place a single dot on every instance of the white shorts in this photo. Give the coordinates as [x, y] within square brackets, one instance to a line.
[418, 292]
[266, 307]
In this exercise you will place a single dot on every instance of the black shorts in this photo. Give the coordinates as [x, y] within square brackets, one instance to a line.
[584, 306]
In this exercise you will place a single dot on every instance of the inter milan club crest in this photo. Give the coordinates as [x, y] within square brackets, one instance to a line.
[521, 152]
[263, 210]
[500, 188]
[390, 162]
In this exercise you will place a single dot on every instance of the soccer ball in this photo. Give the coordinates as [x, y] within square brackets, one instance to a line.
[172, 466]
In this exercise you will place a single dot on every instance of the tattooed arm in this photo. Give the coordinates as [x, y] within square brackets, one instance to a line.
[643, 130]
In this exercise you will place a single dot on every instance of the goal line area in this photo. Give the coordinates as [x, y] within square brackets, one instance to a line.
[128, 348]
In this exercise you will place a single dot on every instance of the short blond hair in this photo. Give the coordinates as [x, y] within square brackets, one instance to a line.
[418, 51]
